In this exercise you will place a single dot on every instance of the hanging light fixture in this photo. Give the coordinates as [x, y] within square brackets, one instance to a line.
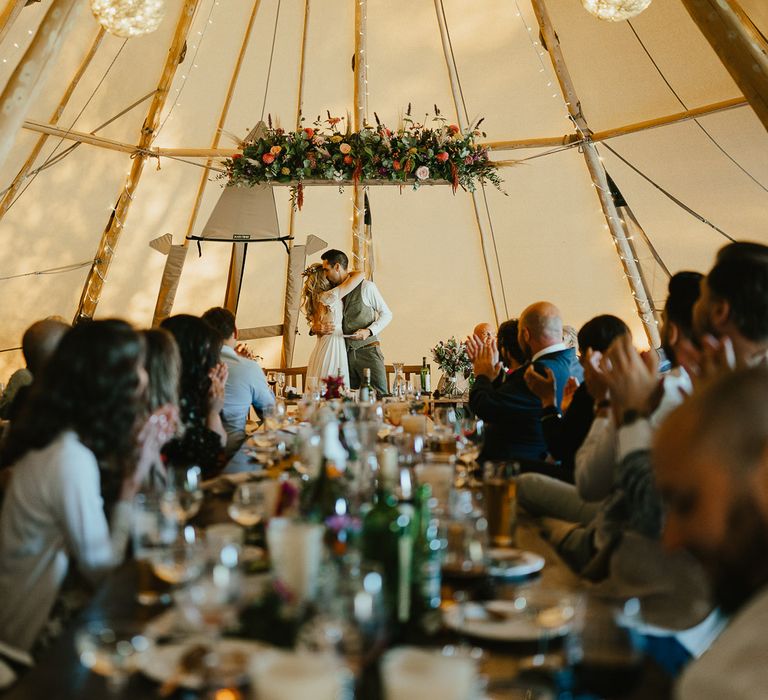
[615, 10]
[128, 18]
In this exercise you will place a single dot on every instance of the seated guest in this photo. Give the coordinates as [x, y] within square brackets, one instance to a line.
[163, 364]
[88, 409]
[201, 395]
[246, 384]
[510, 352]
[734, 304]
[37, 345]
[565, 432]
[596, 459]
[484, 331]
[710, 462]
[511, 410]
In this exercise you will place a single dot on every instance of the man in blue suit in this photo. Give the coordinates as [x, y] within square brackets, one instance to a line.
[513, 413]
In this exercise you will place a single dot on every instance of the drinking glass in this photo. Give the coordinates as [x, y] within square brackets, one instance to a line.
[280, 378]
[151, 530]
[182, 560]
[272, 380]
[183, 494]
[248, 506]
[111, 649]
[399, 383]
[465, 545]
[500, 501]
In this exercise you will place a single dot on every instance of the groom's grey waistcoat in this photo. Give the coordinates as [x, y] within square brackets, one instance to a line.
[357, 315]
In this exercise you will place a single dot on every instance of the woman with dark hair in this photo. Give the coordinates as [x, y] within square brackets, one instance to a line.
[87, 411]
[201, 395]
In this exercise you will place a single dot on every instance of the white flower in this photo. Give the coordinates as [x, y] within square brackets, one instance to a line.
[338, 175]
[422, 172]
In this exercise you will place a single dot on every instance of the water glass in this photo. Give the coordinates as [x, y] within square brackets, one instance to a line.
[112, 649]
[183, 494]
[249, 504]
[182, 560]
[465, 545]
[417, 674]
[280, 379]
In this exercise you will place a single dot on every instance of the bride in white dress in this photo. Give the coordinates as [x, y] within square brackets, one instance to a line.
[323, 305]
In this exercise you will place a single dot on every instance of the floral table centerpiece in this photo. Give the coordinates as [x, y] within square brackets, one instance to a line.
[452, 358]
[413, 154]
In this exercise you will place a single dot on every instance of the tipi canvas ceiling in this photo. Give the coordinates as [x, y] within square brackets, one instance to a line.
[549, 231]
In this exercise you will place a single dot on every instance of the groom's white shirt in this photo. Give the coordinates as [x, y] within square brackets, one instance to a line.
[372, 297]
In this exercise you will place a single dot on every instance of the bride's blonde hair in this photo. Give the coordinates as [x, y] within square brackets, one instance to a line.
[315, 283]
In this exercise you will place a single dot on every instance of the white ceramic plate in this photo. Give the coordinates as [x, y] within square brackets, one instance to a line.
[479, 621]
[162, 664]
[507, 562]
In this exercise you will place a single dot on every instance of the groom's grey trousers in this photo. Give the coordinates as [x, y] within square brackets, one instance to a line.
[367, 356]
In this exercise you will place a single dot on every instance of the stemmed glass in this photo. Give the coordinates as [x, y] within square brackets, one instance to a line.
[469, 445]
[272, 380]
[181, 561]
[112, 649]
[183, 494]
[280, 378]
[248, 506]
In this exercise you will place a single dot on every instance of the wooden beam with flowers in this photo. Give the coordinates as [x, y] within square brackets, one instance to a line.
[324, 154]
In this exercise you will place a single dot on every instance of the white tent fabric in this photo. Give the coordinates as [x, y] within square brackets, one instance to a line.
[549, 231]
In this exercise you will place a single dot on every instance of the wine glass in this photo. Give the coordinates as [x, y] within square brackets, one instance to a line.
[469, 445]
[151, 530]
[248, 505]
[272, 380]
[111, 649]
[183, 494]
[182, 560]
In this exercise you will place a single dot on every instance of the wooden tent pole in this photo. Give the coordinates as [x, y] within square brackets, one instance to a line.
[492, 268]
[21, 176]
[624, 246]
[110, 237]
[360, 241]
[31, 71]
[169, 285]
[740, 46]
[8, 15]
[293, 284]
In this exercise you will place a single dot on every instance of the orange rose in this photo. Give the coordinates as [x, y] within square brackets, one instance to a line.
[442, 156]
[268, 158]
[453, 129]
[275, 150]
[345, 148]
[309, 132]
[348, 160]
[396, 165]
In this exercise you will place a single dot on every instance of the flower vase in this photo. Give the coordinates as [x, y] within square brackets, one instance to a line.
[449, 385]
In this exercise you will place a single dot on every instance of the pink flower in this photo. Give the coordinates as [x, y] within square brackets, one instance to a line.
[468, 160]
[422, 172]
[345, 148]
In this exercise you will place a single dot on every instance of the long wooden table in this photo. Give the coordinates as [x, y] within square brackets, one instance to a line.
[61, 676]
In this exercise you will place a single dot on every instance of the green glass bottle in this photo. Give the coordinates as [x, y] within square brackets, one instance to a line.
[426, 377]
[387, 539]
[425, 595]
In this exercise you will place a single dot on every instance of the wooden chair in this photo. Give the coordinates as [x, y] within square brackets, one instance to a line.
[295, 377]
[408, 370]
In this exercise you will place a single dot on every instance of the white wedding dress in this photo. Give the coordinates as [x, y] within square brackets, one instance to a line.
[329, 356]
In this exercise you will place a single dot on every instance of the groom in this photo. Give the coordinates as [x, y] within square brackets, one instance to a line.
[366, 314]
